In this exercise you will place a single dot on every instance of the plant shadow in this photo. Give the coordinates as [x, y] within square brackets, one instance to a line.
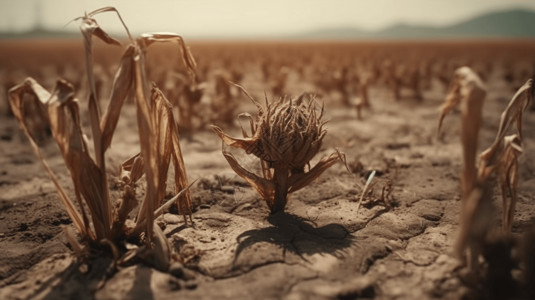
[72, 283]
[297, 235]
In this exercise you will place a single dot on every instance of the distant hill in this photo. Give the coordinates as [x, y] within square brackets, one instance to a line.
[515, 23]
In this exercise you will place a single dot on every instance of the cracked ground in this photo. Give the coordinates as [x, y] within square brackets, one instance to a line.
[398, 245]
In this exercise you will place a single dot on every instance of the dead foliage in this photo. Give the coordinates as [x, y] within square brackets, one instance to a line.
[399, 76]
[499, 160]
[223, 104]
[468, 90]
[104, 220]
[285, 136]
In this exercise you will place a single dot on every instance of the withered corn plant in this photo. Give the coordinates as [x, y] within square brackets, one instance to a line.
[468, 90]
[501, 157]
[363, 99]
[506, 165]
[222, 104]
[285, 136]
[185, 94]
[100, 220]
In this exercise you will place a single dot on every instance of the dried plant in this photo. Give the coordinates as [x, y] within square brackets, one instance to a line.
[405, 77]
[501, 157]
[364, 190]
[278, 81]
[468, 90]
[185, 94]
[361, 88]
[62, 115]
[512, 114]
[507, 167]
[391, 78]
[158, 134]
[222, 105]
[285, 136]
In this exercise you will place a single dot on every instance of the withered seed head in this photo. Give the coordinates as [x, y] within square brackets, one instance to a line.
[286, 135]
[290, 133]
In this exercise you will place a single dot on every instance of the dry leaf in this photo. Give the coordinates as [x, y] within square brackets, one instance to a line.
[512, 113]
[508, 170]
[169, 148]
[122, 85]
[89, 182]
[147, 39]
[90, 28]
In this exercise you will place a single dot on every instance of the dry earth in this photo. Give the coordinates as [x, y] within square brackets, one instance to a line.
[321, 248]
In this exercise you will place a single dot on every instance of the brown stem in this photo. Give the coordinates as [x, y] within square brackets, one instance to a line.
[280, 178]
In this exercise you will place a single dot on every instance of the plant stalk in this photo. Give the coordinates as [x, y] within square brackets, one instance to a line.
[280, 178]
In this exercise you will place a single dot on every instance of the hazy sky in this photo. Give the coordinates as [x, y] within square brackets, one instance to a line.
[246, 17]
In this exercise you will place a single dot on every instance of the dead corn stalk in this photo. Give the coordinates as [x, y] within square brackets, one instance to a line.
[501, 157]
[468, 90]
[158, 135]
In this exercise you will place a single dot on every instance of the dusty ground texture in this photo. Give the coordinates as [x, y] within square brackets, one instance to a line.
[320, 248]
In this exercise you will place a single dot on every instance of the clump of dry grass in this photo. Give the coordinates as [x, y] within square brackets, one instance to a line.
[285, 136]
[104, 223]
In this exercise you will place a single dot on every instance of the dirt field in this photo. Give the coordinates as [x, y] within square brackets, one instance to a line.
[398, 246]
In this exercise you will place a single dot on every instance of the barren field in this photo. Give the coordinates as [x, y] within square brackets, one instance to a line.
[399, 245]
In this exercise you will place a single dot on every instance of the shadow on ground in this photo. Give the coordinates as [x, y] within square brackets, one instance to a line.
[298, 235]
[72, 281]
